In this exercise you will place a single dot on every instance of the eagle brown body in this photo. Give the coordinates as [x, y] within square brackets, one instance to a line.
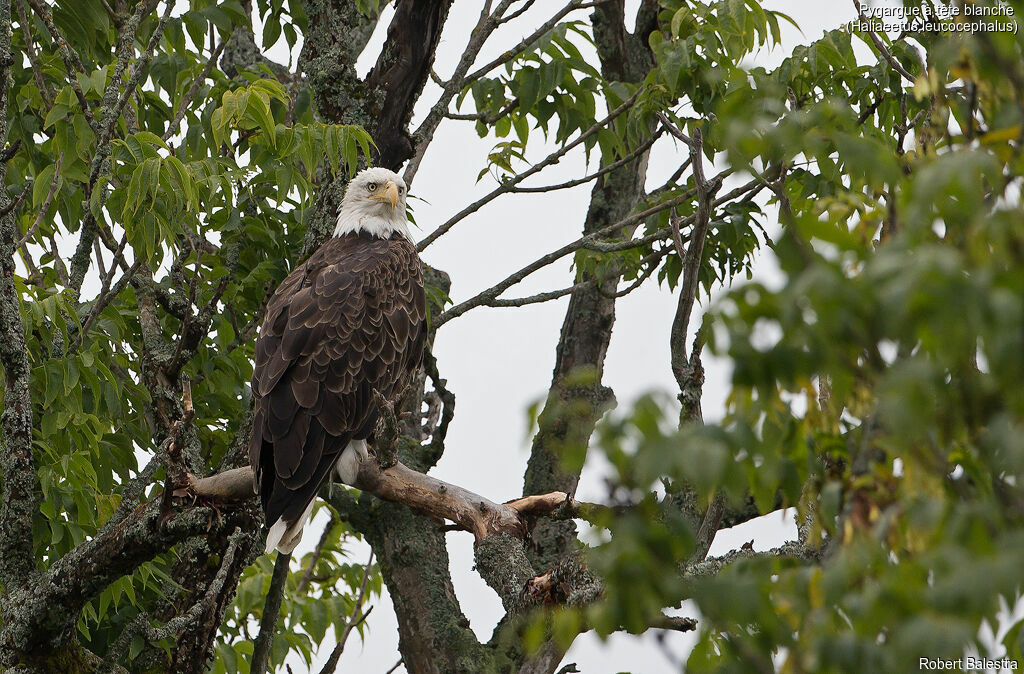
[348, 321]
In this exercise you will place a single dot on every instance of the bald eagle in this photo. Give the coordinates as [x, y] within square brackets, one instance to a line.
[350, 320]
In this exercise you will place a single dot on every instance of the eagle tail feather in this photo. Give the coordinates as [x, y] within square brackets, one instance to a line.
[285, 535]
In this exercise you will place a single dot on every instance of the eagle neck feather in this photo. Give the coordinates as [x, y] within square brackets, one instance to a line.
[367, 217]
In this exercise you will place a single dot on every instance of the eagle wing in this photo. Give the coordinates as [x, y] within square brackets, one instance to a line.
[350, 320]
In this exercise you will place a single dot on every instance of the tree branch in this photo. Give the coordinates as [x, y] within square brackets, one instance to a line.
[425, 133]
[507, 186]
[400, 484]
[271, 611]
[880, 46]
[37, 72]
[140, 625]
[90, 567]
[355, 619]
[72, 62]
[592, 240]
[186, 102]
[632, 156]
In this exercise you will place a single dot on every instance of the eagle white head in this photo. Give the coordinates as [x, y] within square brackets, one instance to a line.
[374, 203]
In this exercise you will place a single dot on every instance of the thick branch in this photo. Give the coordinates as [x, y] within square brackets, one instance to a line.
[31, 626]
[401, 484]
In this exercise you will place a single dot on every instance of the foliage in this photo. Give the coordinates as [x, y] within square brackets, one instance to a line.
[875, 388]
[216, 206]
[317, 599]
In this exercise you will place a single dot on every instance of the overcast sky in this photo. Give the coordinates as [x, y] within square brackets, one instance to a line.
[499, 361]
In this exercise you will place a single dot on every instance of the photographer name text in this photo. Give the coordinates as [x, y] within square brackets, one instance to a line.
[966, 664]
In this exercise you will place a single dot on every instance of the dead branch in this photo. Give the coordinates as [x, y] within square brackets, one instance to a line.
[401, 484]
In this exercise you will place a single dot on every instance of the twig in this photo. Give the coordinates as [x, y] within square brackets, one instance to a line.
[880, 46]
[395, 666]
[387, 432]
[485, 117]
[676, 623]
[183, 107]
[646, 145]
[516, 14]
[673, 179]
[245, 335]
[447, 398]
[97, 250]
[34, 275]
[58, 262]
[592, 240]
[307, 575]
[131, 493]
[355, 619]
[104, 298]
[30, 50]
[562, 292]
[9, 151]
[424, 134]
[112, 110]
[507, 186]
[524, 44]
[14, 205]
[113, 106]
[649, 265]
[486, 24]
[72, 62]
[271, 610]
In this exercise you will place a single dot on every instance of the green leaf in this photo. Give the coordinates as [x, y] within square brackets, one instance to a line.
[529, 88]
[41, 185]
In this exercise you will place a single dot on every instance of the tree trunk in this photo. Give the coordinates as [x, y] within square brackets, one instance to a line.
[577, 398]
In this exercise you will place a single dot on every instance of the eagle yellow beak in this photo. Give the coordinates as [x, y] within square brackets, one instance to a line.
[387, 194]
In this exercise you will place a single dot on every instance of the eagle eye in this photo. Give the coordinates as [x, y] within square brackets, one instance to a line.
[372, 187]
[401, 190]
